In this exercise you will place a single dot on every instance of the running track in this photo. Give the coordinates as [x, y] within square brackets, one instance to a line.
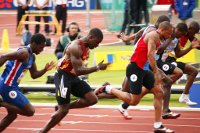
[102, 120]
[8, 21]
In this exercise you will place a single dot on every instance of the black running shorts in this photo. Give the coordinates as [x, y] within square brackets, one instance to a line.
[138, 77]
[67, 84]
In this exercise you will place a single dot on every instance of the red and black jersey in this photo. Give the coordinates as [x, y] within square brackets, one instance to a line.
[66, 65]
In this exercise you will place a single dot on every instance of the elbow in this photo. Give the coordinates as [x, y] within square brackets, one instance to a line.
[78, 73]
[34, 76]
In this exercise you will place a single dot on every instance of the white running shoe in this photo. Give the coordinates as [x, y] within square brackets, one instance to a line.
[124, 113]
[184, 98]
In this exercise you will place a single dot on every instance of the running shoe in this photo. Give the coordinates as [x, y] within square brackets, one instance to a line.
[184, 98]
[163, 129]
[171, 115]
[124, 113]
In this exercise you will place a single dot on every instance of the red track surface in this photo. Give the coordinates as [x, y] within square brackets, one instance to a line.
[102, 121]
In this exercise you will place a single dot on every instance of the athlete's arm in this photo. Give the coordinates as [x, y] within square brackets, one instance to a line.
[152, 40]
[38, 73]
[75, 57]
[181, 52]
[21, 55]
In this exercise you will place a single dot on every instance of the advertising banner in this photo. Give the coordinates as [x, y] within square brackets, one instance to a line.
[72, 4]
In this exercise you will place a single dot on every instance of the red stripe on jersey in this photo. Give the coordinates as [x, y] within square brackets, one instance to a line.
[13, 72]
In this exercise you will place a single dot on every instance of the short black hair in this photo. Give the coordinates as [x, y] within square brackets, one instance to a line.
[182, 27]
[38, 38]
[160, 19]
[96, 32]
[194, 25]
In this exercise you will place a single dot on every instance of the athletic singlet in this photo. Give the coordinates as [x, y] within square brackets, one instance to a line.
[169, 51]
[183, 41]
[66, 65]
[15, 69]
[140, 54]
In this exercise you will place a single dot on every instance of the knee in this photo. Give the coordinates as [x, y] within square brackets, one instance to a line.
[159, 94]
[194, 72]
[93, 100]
[31, 112]
[179, 74]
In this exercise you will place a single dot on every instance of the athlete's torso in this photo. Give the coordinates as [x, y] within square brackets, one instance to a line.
[16, 69]
[140, 54]
[66, 65]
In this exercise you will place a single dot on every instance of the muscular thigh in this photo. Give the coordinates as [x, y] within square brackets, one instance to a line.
[148, 80]
[63, 88]
[80, 88]
[135, 77]
[166, 67]
[13, 96]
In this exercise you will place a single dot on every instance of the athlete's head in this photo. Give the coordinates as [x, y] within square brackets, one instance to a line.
[38, 42]
[165, 29]
[181, 30]
[193, 28]
[94, 37]
[160, 19]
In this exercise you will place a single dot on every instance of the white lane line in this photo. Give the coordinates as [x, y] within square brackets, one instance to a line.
[108, 116]
[82, 130]
[110, 123]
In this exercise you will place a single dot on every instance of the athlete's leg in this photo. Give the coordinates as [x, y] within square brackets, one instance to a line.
[86, 96]
[27, 110]
[89, 99]
[177, 73]
[7, 120]
[192, 73]
[14, 101]
[158, 102]
[56, 117]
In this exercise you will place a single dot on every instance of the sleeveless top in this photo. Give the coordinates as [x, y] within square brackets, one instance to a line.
[140, 54]
[15, 69]
[169, 51]
[66, 65]
[142, 50]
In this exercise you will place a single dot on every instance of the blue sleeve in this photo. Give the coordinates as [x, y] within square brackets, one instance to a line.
[192, 5]
[177, 5]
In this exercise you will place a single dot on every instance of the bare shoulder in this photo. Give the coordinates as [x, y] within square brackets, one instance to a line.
[74, 48]
[153, 35]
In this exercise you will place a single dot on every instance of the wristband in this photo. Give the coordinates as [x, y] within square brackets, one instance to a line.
[97, 67]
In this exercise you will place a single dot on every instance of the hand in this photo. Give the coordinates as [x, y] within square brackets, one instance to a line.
[195, 43]
[123, 37]
[103, 66]
[50, 65]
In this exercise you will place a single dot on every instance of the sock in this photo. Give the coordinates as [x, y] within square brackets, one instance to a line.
[125, 105]
[157, 124]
